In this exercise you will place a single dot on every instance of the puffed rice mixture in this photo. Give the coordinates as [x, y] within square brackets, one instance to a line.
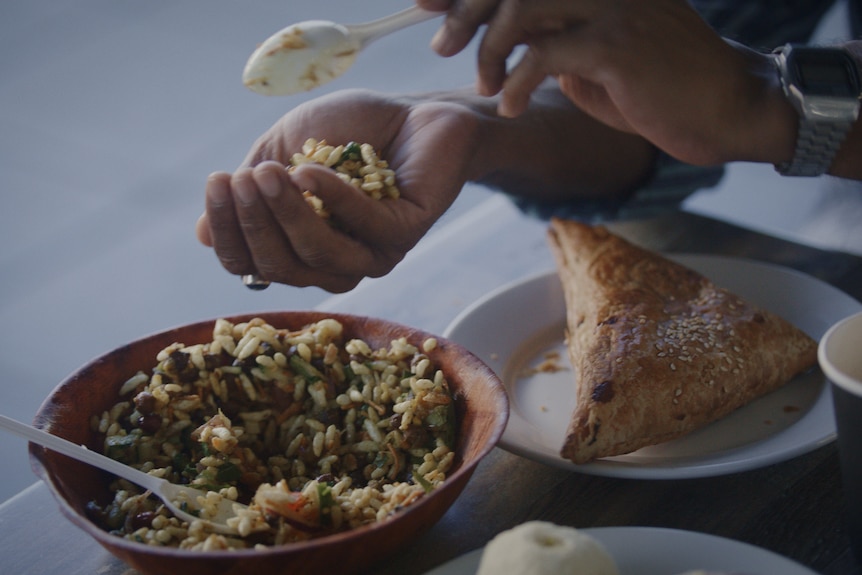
[356, 164]
[317, 434]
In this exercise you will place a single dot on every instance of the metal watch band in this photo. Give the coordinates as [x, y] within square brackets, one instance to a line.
[816, 146]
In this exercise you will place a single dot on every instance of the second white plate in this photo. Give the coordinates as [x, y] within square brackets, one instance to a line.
[658, 551]
[515, 328]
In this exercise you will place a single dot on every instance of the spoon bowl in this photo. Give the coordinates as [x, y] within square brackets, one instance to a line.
[308, 54]
[177, 498]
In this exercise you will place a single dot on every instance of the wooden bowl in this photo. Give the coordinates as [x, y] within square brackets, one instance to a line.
[481, 408]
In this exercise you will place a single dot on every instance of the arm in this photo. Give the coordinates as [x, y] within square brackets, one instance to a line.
[553, 152]
[258, 222]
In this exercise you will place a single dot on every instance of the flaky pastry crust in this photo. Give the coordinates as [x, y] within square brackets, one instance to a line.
[658, 349]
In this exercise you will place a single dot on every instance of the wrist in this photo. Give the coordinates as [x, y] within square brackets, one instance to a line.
[480, 113]
[767, 133]
[554, 152]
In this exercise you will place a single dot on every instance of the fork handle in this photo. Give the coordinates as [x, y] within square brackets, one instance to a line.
[79, 452]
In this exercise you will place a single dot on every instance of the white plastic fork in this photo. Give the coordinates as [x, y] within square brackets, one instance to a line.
[168, 492]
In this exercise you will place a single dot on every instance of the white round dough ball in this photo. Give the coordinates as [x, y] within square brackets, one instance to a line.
[542, 548]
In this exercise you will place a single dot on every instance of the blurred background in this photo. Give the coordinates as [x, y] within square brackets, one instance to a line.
[113, 113]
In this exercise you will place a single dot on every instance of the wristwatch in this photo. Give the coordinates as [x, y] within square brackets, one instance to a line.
[823, 86]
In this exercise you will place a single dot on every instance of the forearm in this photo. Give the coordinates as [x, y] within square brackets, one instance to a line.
[553, 152]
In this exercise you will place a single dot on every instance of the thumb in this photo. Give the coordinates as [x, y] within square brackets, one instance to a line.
[202, 231]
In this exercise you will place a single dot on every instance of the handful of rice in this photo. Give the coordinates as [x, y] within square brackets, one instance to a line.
[356, 164]
[315, 433]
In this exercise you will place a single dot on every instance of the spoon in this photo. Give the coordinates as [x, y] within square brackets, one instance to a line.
[168, 492]
[306, 55]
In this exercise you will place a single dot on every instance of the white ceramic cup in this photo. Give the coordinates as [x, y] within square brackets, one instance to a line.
[840, 358]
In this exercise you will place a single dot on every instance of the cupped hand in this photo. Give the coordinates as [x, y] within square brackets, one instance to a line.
[257, 220]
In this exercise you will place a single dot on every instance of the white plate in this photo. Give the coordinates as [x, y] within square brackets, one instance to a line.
[513, 328]
[657, 551]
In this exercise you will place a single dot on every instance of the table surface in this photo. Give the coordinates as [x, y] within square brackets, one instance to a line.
[792, 508]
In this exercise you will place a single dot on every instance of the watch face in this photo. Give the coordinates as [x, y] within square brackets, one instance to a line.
[823, 72]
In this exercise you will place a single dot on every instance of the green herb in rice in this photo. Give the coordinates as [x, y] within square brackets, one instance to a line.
[315, 433]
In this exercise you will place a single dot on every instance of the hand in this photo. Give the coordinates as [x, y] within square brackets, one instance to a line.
[655, 69]
[258, 222]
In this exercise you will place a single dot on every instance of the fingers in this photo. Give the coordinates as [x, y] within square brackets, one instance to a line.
[244, 234]
[462, 21]
[314, 241]
[225, 233]
[374, 233]
[581, 66]
[515, 23]
[521, 82]
[271, 254]
[510, 23]
[504, 33]
[257, 221]
[564, 55]
[585, 72]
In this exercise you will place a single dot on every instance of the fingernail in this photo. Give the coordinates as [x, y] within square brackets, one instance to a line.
[218, 190]
[245, 192]
[504, 109]
[270, 185]
[441, 42]
[244, 187]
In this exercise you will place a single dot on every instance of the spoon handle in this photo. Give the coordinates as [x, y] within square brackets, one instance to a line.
[78, 452]
[371, 31]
